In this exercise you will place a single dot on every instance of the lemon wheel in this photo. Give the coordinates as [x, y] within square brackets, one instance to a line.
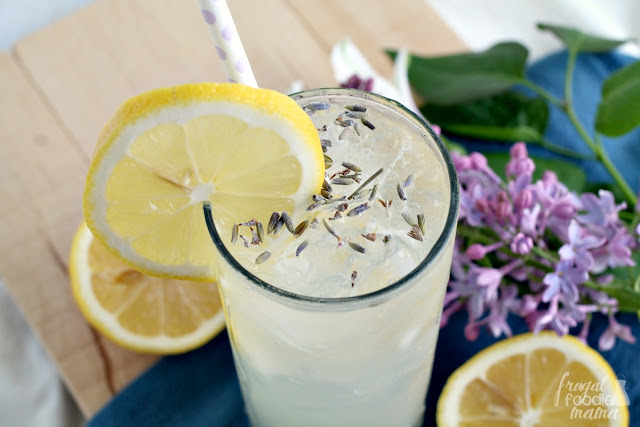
[139, 312]
[248, 151]
[534, 380]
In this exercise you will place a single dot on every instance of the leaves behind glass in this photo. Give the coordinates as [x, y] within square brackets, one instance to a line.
[628, 298]
[568, 173]
[507, 116]
[624, 286]
[453, 79]
[619, 109]
[577, 41]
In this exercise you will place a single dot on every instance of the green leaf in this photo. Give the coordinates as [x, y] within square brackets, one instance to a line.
[627, 276]
[519, 133]
[507, 116]
[577, 41]
[568, 173]
[619, 112]
[454, 146]
[464, 77]
[624, 286]
[628, 298]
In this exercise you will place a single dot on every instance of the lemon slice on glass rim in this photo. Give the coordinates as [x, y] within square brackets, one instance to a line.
[248, 151]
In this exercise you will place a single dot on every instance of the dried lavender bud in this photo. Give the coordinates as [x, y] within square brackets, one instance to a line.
[355, 114]
[356, 108]
[234, 233]
[287, 222]
[278, 226]
[409, 220]
[326, 194]
[415, 233]
[421, 223]
[407, 182]
[330, 230]
[255, 240]
[343, 181]
[344, 133]
[373, 192]
[272, 222]
[358, 209]
[367, 123]
[351, 166]
[358, 248]
[401, 192]
[312, 206]
[317, 106]
[301, 247]
[301, 228]
[260, 232]
[263, 257]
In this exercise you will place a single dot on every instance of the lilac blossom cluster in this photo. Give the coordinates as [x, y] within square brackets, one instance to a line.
[536, 250]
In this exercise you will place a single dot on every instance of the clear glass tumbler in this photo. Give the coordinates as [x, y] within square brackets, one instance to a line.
[355, 361]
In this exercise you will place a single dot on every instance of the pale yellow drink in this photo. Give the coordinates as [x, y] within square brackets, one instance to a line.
[329, 335]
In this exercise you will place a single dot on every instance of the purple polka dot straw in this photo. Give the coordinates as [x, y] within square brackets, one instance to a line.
[223, 31]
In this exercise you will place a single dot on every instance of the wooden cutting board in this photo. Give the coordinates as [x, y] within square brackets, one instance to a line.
[61, 84]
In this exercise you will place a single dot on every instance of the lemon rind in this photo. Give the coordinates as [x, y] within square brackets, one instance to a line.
[447, 409]
[107, 324]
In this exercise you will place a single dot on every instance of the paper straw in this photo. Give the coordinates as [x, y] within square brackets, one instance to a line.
[224, 34]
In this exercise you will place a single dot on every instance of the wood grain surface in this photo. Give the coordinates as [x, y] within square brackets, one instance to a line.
[61, 84]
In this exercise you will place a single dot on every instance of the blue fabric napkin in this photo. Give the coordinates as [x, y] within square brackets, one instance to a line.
[200, 388]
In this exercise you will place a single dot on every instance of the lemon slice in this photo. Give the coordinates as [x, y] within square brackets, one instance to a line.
[248, 151]
[534, 380]
[139, 312]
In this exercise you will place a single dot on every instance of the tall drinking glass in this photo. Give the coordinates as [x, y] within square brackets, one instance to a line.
[356, 360]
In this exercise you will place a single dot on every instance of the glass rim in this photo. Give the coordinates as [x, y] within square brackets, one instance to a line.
[375, 296]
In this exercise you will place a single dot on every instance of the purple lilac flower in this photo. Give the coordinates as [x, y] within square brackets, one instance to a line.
[355, 82]
[520, 214]
[578, 245]
[564, 280]
[520, 163]
[521, 244]
[600, 210]
[478, 251]
[615, 330]
[615, 253]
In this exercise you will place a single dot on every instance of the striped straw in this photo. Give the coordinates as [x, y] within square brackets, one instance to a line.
[224, 34]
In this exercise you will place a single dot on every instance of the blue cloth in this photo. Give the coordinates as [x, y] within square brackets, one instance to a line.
[200, 388]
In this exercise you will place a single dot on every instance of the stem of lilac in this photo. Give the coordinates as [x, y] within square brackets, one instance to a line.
[544, 254]
[634, 222]
[567, 107]
[602, 155]
[474, 234]
[548, 145]
[595, 144]
[543, 93]
[537, 264]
